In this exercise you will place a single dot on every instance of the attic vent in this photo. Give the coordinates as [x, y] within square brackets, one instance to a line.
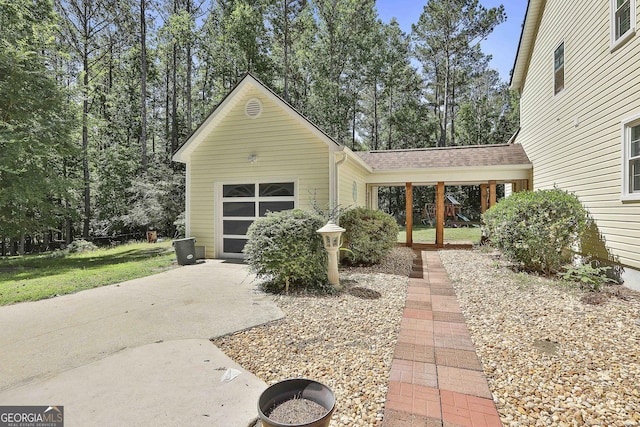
[253, 108]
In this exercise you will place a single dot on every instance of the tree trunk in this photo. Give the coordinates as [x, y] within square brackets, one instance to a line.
[167, 113]
[68, 221]
[353, 121]
[376, 135]
[85, 144]
[143, 85]
[174, 102]
[21, 244]
[453, 105]
[445, 119]
[390, 143]
[188, 80]
[286, 51]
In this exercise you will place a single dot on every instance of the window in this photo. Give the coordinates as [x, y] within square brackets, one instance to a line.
[623, 21]
[558, 69]
[631, 159]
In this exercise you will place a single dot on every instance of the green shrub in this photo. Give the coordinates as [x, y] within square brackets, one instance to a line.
[587, 277]
[285, 249]
[536, 229]
[370, 235]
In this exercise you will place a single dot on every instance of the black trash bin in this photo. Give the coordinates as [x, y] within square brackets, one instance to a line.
[185, 250]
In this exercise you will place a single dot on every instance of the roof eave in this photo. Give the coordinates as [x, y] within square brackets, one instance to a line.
[359, 161]
[528, 35]
[518, 166]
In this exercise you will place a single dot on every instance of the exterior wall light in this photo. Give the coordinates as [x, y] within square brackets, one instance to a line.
[331, 237]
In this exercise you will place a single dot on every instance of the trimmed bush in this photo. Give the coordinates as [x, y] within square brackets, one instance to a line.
[538, 229]
[370, 235]
[285, 249]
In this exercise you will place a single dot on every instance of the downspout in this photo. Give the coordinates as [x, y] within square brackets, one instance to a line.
[341, 157]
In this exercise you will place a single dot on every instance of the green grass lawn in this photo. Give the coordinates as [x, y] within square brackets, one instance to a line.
[424, 234]
[35, 277]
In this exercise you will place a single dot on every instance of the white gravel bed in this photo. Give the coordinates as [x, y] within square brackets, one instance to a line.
[346, 342]
[550, 359]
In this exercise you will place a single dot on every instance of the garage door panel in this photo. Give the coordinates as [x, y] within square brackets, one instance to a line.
[238, 209]
[233, 245]
[274, 207]
[276, 189]
[239, 190]
[236, 227]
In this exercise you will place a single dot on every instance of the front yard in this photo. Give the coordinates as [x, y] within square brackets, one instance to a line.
[551, 357]
[35, 277]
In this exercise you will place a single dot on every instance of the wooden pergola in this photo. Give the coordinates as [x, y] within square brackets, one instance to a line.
[483, 165]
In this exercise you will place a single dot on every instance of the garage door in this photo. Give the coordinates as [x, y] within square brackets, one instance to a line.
[243, 203]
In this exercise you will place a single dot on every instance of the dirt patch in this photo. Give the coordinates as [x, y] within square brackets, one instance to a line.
[398, 262]
[364, 293]
[546, 346]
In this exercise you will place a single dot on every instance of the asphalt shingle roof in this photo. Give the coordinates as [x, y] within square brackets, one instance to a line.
[462, 156]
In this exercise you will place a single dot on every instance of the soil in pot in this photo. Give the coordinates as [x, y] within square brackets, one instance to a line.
[297, 411]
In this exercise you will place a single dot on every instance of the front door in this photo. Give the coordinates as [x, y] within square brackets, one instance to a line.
[243, 203]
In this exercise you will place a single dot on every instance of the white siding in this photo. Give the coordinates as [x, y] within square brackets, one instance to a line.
[285, 150]
[574, 138]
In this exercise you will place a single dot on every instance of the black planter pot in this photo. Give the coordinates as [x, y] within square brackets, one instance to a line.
[296, 388]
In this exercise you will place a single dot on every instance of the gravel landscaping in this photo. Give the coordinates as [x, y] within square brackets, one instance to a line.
[346, 341]
[551, 356]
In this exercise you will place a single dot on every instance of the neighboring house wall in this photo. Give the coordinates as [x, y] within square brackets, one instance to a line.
[574, 137]
[284, 150]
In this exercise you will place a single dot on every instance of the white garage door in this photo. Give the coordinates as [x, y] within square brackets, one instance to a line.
[243, 203]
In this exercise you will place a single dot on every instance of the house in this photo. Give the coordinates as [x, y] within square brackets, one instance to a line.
[255, 153]
[578, 73]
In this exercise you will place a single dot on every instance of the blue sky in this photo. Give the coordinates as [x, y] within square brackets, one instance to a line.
[502, 44]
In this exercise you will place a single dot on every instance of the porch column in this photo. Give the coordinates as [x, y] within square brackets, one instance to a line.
[373, 198]
[483, 198]
[440, 215]
[492, 193]
[409, 213]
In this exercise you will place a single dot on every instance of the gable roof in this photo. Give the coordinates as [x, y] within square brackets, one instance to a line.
[530, 27]
[447, 157]
[229, 102]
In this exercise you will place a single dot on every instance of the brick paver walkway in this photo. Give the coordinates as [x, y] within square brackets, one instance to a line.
[436, 378]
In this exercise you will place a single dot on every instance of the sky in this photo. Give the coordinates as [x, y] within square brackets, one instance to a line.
[502, 44]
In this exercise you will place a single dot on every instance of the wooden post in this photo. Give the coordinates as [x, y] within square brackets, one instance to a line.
[492, 193]
[409, 214]
[440, 215]
[483, 198]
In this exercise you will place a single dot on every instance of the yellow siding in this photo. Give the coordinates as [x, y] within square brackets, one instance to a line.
[285, 150]
[350, 173]
[574, 139]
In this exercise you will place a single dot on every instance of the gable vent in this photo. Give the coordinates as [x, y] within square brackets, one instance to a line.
[253, 109]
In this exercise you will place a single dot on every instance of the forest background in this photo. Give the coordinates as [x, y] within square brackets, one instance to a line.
[96, 95]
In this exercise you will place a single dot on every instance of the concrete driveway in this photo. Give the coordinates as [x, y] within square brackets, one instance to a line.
[137, 353]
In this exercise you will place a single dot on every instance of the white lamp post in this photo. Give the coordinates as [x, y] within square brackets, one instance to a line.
[331, 238]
